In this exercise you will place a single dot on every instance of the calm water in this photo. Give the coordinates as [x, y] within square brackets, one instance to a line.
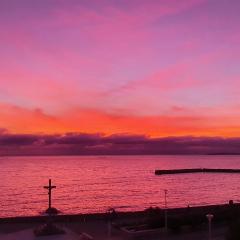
[93, 184]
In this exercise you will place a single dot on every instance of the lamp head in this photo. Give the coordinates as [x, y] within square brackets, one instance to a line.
[209, 216]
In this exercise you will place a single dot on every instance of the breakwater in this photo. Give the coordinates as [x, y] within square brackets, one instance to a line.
[196, 170]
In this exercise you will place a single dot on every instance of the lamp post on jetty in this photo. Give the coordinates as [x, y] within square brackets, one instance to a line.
[209, 217]
[165, 200]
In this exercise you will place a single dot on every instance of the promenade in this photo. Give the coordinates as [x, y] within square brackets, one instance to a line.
[99, 231]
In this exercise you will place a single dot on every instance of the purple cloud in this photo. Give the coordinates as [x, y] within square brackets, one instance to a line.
[120, 144]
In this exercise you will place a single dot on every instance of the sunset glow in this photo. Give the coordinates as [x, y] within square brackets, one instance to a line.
[155, 68]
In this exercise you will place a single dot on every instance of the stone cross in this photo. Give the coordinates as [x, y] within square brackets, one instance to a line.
[49, 187]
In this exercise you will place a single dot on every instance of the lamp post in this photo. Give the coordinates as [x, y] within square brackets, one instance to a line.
[209, 217]
[111, 213]
[165, 198]
[109, 232]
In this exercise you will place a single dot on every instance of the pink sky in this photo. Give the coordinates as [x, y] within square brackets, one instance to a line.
[152, 67]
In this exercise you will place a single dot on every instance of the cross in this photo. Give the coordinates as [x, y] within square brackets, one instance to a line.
[49, 187]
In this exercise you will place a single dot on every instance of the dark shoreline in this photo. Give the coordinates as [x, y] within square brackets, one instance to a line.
[219, 211]
[120, 154]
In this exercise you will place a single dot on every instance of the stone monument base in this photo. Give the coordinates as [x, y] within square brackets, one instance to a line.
[52, 211]
[48, 229]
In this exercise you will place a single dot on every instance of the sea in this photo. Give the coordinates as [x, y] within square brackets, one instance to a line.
[92, 184]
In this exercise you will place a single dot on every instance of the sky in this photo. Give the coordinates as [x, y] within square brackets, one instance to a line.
[153, 68]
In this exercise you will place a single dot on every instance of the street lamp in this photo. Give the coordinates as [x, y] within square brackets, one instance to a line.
[111, 213]
[109, 223]
[166, 222]
[209, 217]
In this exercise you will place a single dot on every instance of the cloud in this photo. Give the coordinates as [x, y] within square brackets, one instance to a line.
[112, 67]
[59, 54]
[177, 121]
[94, 144]
[18, 139]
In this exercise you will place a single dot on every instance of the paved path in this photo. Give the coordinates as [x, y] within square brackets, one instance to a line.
[99, 231]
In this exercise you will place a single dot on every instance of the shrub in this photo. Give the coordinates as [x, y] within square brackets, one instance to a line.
[154, 217]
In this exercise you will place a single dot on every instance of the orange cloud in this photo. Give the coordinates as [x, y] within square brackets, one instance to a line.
[21, 120]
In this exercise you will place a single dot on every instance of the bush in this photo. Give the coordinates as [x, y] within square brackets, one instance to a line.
[155, 217]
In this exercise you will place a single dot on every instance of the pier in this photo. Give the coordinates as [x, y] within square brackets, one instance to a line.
[196, 170]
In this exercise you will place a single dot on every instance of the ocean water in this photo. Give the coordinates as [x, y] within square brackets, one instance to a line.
[95, 183]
